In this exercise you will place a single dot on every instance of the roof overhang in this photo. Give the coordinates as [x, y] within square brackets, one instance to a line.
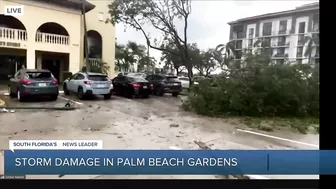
[272, 15]
[76, 4]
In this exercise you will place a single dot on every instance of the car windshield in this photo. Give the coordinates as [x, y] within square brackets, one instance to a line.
[184, 79]
[137, 79]
[39, 75]
[172, 78]
[98, 78]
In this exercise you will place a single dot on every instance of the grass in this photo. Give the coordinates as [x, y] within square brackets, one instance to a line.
[302, 125]
[184, 92]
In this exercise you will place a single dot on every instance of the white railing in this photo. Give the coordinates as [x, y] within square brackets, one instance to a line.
[94, 61]
[13, 34]
[51, 38]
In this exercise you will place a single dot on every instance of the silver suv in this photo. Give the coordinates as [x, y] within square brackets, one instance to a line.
[87, 84]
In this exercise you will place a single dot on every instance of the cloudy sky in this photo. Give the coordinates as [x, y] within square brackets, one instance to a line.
[208, 21]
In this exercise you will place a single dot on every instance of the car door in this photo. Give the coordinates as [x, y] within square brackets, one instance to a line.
[70, 83]
[184, 81]
[157, 81]
[14, 82]
[123, 82]
[78, 81]
[116, 84]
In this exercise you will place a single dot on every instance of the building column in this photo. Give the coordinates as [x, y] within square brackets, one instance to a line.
[74, 63]
[61, 70]
[38, 60]
[30, 59]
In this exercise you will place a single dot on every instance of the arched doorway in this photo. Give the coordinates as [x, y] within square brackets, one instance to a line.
[52, 32]
[95, 43]
[56, 34]
[12, 34]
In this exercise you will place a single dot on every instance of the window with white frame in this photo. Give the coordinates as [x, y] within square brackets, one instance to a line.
[101, 16]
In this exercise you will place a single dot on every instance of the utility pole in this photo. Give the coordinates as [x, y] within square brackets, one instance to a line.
[87, 64]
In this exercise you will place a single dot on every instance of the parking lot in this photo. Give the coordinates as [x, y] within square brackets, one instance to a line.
[122, 123]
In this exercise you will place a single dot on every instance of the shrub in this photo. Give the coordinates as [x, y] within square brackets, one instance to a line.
[260, 90]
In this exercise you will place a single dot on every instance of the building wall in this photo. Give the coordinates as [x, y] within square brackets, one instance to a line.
[96, 21]
[38, 13]
[291, 34]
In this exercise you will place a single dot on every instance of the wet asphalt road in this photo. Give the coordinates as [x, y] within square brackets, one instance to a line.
[136, 124]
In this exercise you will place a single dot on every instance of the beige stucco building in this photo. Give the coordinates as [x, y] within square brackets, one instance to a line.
[50, 35]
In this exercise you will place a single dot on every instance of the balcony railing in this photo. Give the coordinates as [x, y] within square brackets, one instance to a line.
[13, 34]
[94, 62]
[51, 38]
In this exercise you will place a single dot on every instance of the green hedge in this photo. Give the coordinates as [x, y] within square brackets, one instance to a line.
[260, 90]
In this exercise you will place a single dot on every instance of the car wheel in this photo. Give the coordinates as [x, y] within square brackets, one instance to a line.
[175, 94]
[107, 96]
[19, 97]
[11, 94]
[65, 89]
[80, 94]
[146, 96]
[53, 97]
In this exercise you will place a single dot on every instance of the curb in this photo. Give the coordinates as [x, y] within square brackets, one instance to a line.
[7, 94]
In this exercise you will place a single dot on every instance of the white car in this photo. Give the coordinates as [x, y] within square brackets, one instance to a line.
[185, 82]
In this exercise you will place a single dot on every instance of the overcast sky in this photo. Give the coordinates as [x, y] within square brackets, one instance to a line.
[208, 21]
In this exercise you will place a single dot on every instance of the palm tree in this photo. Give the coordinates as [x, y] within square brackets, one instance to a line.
[227, 49]
[309, 46]
[124, 58]
[224, 54]
[103, 67]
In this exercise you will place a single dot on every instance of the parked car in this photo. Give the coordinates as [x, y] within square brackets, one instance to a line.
[185, 82]
[88, 84]
[130, 86]
[33, 82]
[165, 84]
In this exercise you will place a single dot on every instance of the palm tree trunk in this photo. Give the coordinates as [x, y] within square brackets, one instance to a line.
[87, 64]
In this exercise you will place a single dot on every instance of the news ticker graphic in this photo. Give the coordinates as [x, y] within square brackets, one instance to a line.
[178, 162]
[55, 144]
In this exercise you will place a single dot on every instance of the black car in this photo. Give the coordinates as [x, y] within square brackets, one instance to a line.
[27, 83]
[165, 84]
[132, 86]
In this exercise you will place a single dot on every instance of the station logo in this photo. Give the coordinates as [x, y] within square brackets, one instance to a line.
[14, 10]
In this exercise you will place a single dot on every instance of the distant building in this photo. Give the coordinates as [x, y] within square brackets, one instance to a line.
[285, 34]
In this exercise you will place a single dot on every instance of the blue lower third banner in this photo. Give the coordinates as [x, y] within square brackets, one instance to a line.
[159, 162]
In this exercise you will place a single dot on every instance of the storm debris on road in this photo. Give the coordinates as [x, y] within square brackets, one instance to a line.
[202, 145]
[174, 125]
